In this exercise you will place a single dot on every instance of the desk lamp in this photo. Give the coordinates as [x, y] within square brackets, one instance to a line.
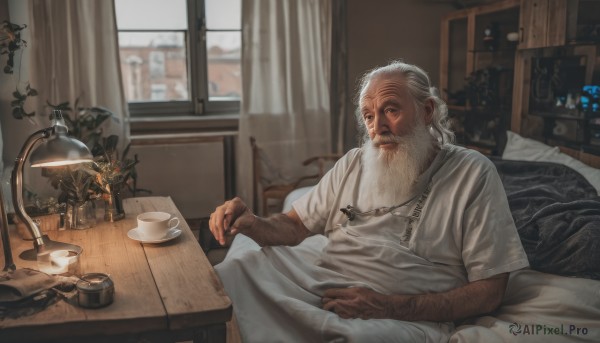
[58, 149]
[8, 260]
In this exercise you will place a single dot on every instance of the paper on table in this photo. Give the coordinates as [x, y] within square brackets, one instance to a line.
[22, 283]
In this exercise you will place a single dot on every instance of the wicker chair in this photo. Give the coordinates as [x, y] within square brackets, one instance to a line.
[278, 192]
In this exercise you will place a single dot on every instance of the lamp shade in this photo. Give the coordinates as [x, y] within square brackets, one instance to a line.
[60, 150]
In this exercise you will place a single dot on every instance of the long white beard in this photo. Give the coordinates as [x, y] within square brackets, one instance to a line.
[390, 175]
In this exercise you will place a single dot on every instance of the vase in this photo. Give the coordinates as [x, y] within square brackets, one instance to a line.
[113, 205]
[81, 216]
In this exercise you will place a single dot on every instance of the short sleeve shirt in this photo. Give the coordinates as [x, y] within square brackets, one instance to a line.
[456, 226]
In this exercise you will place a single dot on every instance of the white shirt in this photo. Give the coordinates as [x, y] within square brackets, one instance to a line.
[458, 227]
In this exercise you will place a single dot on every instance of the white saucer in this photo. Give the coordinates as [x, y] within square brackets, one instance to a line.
[136, 236]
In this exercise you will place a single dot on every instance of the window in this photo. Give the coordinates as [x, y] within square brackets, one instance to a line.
[180, 57]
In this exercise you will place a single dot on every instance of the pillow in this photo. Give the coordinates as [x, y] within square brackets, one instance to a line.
[525, 149]
[293, 196]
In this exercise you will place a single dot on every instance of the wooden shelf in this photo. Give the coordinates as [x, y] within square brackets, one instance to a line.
[486, 144]
[565, 116]
[498, 51]
[457, 108]
[550, 30]
[556, 140]
[463, 55]
[484, 150]
[547, 28]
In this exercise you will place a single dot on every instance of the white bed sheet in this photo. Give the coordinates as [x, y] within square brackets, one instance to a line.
[540, 307]
[276, 298]
[276, 294]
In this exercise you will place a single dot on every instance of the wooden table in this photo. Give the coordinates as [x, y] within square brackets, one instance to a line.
[165, 292]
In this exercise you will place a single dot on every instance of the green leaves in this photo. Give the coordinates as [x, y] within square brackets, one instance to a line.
[18, 105]
[84, 122]
[84, 182]
[11, 42]
[78, 183]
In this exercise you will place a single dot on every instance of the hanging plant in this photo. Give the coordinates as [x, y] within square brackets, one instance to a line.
[10, 43]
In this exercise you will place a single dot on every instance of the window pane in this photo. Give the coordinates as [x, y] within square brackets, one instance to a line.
[150, 14]
[223, 14]
[224, 68]
[154, 66]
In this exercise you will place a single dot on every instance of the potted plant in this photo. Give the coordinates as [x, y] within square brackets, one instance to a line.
[115, 174]
[107, 176]
[80, 185]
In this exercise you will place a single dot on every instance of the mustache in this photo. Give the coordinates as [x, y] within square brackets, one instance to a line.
[386, 139]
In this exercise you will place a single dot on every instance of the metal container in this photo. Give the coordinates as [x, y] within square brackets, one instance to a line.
[95, 290]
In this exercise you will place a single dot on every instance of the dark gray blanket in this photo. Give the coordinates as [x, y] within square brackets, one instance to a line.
[557, 214]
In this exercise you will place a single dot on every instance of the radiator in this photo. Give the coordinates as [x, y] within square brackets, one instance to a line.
[191, 171]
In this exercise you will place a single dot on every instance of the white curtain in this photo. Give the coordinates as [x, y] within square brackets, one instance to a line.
[75, 55]
[286, 71]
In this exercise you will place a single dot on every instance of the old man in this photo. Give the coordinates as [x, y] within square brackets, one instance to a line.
[404, 235]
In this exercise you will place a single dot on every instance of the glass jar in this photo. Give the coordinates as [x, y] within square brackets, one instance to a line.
[82, 216]
[113, 204]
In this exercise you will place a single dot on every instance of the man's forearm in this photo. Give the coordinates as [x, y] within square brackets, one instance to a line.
[469, 300]
[473, 299]
[278, 229]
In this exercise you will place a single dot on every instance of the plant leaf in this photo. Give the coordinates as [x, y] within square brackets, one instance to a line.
[111, 144]
[17, 113]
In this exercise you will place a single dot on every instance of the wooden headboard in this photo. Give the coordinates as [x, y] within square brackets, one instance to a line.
[589, 159]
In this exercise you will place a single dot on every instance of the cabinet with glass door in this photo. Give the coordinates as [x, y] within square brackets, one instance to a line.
[557, 83]
[478, 48]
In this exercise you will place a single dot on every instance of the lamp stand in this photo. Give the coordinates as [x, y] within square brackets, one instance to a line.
[9, 264]
[16, 182]
[40, 244]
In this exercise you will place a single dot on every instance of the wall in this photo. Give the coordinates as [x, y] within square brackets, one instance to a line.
[196, 172]
[3, 84]
[191, 170]
[379, 31]
[14, 131]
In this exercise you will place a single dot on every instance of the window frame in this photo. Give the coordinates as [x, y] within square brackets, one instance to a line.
[197, 65]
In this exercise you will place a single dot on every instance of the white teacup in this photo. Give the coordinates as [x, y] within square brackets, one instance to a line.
[154, 225]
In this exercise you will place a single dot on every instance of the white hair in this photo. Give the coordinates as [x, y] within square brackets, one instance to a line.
[420, 89]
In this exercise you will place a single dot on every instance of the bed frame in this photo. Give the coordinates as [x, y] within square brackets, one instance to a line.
[589, 159]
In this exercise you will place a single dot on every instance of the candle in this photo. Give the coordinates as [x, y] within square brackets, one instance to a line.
[59, 261]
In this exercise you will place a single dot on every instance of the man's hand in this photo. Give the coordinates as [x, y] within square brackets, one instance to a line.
[232, 217]
[474, 298]
[235, 217]
[358, 302]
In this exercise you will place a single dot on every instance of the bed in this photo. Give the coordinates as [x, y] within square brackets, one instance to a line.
[554, 201]
[556, 208]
